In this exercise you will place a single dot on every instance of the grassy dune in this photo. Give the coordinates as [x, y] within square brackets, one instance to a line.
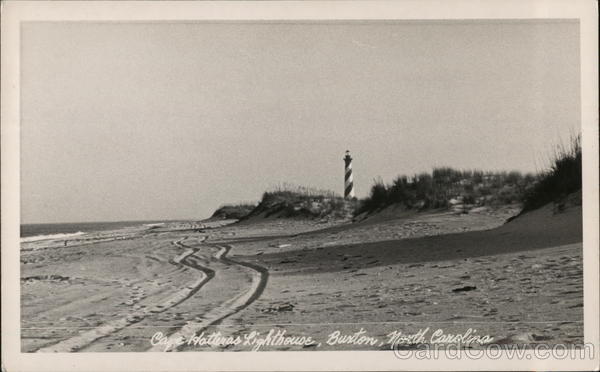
[445, 186]
[299, 201]
[562, 179]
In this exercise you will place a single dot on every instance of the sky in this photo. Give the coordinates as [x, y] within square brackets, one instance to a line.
[144, 121]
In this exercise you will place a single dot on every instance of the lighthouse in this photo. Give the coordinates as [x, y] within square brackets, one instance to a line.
[348, 184]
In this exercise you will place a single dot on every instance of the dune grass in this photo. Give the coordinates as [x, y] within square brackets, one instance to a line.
[288, 200]
[562, 178]
[446, 186]
[301, 192]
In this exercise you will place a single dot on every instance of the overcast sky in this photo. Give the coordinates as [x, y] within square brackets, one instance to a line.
[170, 120]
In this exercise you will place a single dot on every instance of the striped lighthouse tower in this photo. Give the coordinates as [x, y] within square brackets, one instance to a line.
[348, 183]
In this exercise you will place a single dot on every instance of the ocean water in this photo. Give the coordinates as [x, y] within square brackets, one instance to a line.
[38, 231]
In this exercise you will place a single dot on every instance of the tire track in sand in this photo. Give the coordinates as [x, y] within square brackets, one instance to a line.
[86, 338]
[230, 307]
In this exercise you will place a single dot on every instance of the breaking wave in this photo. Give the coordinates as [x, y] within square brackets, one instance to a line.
[36, 238]
[158, 224]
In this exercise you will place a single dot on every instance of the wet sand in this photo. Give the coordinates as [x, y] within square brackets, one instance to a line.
[517, 282]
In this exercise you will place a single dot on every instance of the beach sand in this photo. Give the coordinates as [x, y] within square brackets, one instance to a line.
[519, 282]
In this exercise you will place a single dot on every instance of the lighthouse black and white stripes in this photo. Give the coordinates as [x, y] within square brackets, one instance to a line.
[348, 182]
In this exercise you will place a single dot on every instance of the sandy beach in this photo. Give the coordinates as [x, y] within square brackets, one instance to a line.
[518, 282]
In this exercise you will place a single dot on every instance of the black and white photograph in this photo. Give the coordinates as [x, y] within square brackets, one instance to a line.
[251, 185]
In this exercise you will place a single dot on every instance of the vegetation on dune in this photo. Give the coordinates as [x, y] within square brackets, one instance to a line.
[563, 177]
[233, 211]
[299, 201]
[445, 187]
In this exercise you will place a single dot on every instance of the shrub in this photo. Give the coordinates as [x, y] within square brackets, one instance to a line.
[436, 189]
